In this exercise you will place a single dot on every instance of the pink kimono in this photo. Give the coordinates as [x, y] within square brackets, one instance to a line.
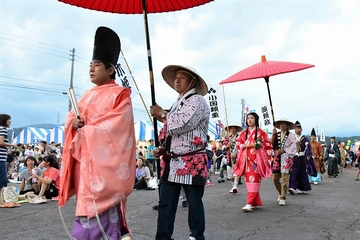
[253, 163]
[98, 163]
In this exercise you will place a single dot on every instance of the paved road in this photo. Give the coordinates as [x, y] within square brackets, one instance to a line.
[330, 211]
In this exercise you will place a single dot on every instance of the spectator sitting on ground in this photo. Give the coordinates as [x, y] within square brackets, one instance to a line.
[46, 149]
[54, 153]
[53, 145]
[49, 182]
[142, 176]
[37, 152]
[149, 166]
[38, 163]
[59, 152]
[29, 151]
[20, 150]
[28, 183]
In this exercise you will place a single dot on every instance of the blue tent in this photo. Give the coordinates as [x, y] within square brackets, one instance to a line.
[31, 135]
[56, 135]
[144, 130]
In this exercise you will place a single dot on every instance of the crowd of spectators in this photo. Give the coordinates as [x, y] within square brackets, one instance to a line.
[16, 156]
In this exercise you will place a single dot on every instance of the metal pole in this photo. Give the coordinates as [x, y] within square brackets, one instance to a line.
[317, 133]
[72, 72]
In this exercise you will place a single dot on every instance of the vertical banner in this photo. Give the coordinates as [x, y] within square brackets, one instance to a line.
[125, 79]
[215, 100]
[216, 105]
[244, 126]
[265, 118]
[213, 103]
[322, 136]
[219, 128]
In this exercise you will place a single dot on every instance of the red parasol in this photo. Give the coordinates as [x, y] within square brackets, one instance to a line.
[139, 7]
[265, 69]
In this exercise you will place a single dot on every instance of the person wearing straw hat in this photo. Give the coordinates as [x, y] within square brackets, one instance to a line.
[184, 159]
[232, 131]
[318, 155]
[284, 146]
[98, 162]
[254, 153]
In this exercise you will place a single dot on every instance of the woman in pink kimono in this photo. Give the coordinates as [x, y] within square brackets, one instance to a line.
[253, 159]
[98, 164]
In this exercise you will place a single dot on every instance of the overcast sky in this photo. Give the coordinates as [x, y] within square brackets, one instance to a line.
[217, 39]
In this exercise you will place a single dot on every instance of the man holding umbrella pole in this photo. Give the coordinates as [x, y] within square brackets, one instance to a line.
[184, 159]
[284, 146]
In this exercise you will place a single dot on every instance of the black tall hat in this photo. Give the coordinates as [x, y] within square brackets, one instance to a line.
[297, 124]
[313, 132]
[106, 46]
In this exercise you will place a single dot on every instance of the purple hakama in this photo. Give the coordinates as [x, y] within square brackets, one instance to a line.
[85, 229]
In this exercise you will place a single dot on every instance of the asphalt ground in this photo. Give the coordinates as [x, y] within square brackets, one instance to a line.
[330, 211]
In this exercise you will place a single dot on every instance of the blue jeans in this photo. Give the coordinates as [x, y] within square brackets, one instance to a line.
[169, 198]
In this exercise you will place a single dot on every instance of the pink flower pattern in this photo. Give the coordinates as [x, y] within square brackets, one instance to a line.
[194, 165]
[197, 141]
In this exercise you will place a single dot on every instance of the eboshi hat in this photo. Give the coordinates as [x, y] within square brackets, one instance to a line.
[107, 46]
[169, 73]
[291, 125]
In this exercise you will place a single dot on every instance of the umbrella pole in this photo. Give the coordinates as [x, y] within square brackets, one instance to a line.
[226, 116]
[152, 88]
[137, 88]
[271, 106]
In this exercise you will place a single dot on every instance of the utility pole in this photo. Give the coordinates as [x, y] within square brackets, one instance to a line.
[242, 112]
[317, 133]
[72, 55]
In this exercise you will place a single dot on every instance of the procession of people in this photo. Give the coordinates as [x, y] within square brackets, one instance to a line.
[101, 164]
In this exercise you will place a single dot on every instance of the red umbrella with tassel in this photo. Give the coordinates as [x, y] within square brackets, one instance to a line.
[265, 69]
[140, 7]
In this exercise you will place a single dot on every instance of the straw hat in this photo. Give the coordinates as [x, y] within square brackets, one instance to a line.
[169, 73]
[291, 125]
[238, 128]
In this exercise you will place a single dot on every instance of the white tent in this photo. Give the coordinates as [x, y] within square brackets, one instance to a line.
[144, 130]
[56, 135]
[31, 135]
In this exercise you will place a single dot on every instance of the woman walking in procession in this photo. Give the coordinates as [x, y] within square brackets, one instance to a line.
[253, 158]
